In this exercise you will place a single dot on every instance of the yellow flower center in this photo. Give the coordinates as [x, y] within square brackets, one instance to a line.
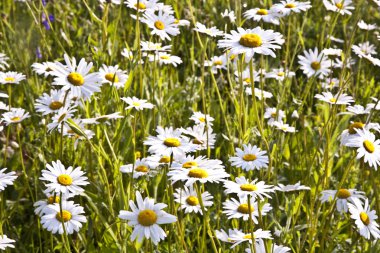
[147, 217]
[273, 114]
[343, 194]
[332, 100]
[248, 187]
[290, 5]
[65, 179]
[176, 21]
[112, 77]
[368, 145]
[192, 200]
[62, 117]
[247, 80]
[244, 208]
[339, 5]
[137, 154]
[315, 65]
[251, 40]
[142, 168]
[52, 200]
[10, 79]
[172, 142]
[159, 25]
[165, 159]
[249, 157]
[262, 12]
[14, 119]
[64, 216]
[202, 119]
[364, 218]
[55, 105]
[165, 57]
[357, 125]
[189, 164]
[280, 73]
[75, 79]
[140, 6]
[198, 173]
[218, 63]
[136, 104]
[247, 236]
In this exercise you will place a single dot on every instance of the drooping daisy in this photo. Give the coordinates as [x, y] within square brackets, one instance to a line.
[200, 118]
[163, 24]
[165, 58]
[343, 197]
[11, 77]
[15, 115]
[127, 53]
[61, 117]
[43, 68]
[357, 110]
[258, 14]
[200, 137]
[6, 242]
[47, 104]
[235, 209]
[364, 26]
[138, 104]
[70, 216]
[76, 78]
[291, 187]
[341, 6]
[62, 180]
[252, 41]
[103, 119]
[3, 61]
[141, 167]
[314, 63]
[243, 187]
[273, 115]
[337, 99]
[6, 178]
[284, 8]
[212, 32]
[367, 146]
[113, 75]
[284, 127]
[188, 198]
[365, 219]
[364, 49]
[250, 158]
[279, 74]
[146, 218]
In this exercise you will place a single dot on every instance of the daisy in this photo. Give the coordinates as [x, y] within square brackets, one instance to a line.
[258, 14]
[260, 94]
[70, 216]
[250, 158]
[284, 127]
[284, 8]
[127, 53]
[162, 24]
[364, 49]
[212, 32]
[202, 119]
[151, 46]
[62, 180]
[273, 115]
[50, 103]
[252, 41]
[260, 248]
[358, 110]
[182, 22]
[330, 83]
[243, 187]
[6, 178]
[76, 78]
[44, 68]
[235, 209]
[291, 187]
[113, 75]
[343, 197]
[341, 6]
[365, 219]
[229, 14]
[41, 206]
[138, 104]
[246, 76]
[200, 137]
[279, 74]
[6, 242]
[142, 167]
[165, 58]
[217, 62]
[15, 115]
[337, 99]
[11, 77]
[367, 147]
[3, 61]
[142, 5]
[332, 52]
[190, 161]
[103, 119]
[189, 201]
[364, 26]
[351, 131]
[146, 218]
[314, 63]
[61, 117]
[237, 237]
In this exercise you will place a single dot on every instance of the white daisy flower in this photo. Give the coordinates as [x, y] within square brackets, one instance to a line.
[62, 180]
[343, 197]
[43, 68]
[260, 248]
[217, 62]
[188, 198]
[146, 218]
[190, 161]
[358, 110]
[200, 118]
[200, 137]
[365, 219]
[162, 24]
[113, 76]
[246, 76]
[102, 119]
[291, 187]
[260, 94]
[212, 32]
[337, 99]
[375, 61]
[258, 14]
[284, 8]
[165, 58]
[332, 52]
[6, 242]
[364, 26]
[243, 187]
[76, 78]
[138, 104]
[41, 206]
[279, 74]
[367, 147]
[70, 216]
[235, 209]
[338, 63]
[11, 77]
[284, 127]
[142, 5]
[6, 179]
[250, 158]
[47, 104]
[273, 115]
[182, 22]
[61, 117]
[341, 6]
[314, 63]
[3, 61]
[252, 41]
[127, 53]
[229, 14]
[364, 49]
[156, 47]
[237, 236]
[15, 115]
[351, 131]
[142, 167]
[330, 83]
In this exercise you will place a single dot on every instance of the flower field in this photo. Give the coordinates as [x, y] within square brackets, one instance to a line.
[190, 126]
